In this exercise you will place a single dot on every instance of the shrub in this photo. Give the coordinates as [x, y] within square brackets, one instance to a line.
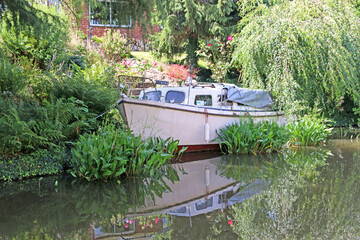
[180, 72]
[11, 77]
[23, 41]
[114, 152]
[28, 127]
[249, 137]
[308, 131]
[115, 46]
[98, 98]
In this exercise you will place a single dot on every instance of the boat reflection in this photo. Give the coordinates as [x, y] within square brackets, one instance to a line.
[203, 189]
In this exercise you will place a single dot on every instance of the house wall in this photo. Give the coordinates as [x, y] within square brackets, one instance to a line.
[134, 33]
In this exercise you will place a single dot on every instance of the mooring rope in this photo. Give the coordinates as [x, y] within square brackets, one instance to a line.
[116, 104]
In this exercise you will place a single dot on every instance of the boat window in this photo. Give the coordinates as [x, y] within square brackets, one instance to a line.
[174, 97]
[153, 96]
[180, 210]
[203, 100]
[204, 204]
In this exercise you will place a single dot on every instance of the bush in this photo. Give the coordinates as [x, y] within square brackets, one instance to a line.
[24, 41]
[115, 46]
[249, 137]
[180, 72]
[98, 98]
[12, 78]
[114, 152]
[28, 127]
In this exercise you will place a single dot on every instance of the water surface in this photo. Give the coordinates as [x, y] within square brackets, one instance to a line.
[304, 193]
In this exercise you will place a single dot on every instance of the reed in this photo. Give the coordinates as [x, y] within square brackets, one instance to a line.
[113, 153]
[249, 137]
[309, 131]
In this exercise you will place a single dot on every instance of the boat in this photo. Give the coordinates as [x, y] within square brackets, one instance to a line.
[193, 114]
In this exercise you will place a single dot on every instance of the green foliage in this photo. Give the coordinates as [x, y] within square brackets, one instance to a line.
[308, 131]
[218, 53]
[184, 23]
[115, 46]
[97, 39]
[12, 78]
[249, 137]
[96, 97]
[27, 127]
[307, 53]
[266, 137]
[24, 41]
[114, 152]
[39, 163]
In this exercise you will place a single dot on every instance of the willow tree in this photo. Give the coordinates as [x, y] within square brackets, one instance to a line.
[185, 22]
[307, 53]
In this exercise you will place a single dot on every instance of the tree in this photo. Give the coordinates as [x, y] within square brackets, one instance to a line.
[185, 22]
[307, 53]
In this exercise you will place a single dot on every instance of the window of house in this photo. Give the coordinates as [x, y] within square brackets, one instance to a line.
[153, 96]
[203, 100]
[104, 13]
[174, 97]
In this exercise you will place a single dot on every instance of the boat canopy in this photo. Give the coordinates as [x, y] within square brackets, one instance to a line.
[250, 97]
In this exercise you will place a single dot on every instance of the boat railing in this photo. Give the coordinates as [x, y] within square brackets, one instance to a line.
[133, 85]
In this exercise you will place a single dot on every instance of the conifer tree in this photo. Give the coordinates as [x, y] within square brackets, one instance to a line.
[185, 22]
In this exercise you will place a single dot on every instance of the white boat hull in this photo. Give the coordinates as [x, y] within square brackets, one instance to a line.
[194, 127]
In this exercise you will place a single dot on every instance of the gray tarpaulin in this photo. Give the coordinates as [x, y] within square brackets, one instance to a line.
[249, 97]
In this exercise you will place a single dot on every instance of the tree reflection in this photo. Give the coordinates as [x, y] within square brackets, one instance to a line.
[305, 203]
[70, 210]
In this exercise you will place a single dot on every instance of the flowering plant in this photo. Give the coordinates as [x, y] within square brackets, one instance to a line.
[180, 72]
[115, 46]
[219, 55]
[134, 68]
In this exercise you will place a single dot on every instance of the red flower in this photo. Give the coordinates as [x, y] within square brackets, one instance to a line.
[230, 38]
[230, 222]
[209, 44]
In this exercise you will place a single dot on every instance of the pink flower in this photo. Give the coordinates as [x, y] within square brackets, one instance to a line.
[230, 222]
[156, 220]
[101, 48]
[102, 51]
[155, 63]
[124, 62]
[119, 75]
[127, 220]
[131, 221]
[126, 225]
[143, 62]
[209, 44]
[127, 50]
[230, 38]
[124, 71]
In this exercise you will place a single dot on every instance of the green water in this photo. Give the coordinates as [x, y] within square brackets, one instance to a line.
[305, 193]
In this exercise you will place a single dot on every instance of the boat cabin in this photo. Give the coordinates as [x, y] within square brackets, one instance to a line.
[214, 95]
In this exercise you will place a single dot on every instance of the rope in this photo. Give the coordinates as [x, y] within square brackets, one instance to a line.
[116, 104]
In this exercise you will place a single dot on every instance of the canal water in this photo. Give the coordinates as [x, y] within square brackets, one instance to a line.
[303, 193]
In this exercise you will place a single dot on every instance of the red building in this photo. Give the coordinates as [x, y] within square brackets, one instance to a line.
[93, 23]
